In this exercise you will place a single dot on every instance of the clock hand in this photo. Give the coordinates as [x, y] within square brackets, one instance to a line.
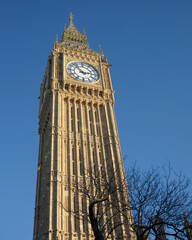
[80, 70]
[83, 72]
[86, 73]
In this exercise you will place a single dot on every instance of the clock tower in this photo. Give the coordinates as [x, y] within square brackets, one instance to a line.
[78, 138]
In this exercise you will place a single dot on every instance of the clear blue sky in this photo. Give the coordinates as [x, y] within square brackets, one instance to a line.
[149, 44]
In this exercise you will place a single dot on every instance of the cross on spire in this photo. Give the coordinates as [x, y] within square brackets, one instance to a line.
[71, 17]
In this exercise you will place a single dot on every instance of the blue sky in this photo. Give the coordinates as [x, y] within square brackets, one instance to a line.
[149, 46]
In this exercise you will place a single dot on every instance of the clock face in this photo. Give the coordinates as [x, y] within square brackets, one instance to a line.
[83, 72]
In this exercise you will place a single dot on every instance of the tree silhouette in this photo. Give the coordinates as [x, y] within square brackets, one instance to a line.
[159, 198]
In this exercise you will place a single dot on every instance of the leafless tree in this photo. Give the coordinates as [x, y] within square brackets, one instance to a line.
[159, 199]
[105, 204]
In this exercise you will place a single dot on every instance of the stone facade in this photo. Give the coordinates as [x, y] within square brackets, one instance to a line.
[76, 122]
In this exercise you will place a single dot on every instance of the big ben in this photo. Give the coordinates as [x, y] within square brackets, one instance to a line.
[78, 140]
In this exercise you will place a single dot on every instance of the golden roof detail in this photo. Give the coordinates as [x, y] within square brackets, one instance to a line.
[73, 38]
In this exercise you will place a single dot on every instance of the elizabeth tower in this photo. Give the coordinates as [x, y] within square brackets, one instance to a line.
[78, 138]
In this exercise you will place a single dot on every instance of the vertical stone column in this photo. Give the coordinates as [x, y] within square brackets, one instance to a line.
[36, 218]
[58, 162]
[64, 66]
[109, 77]
[51, 212]
[102, 139]
[75, 136]
[116, 139]
[49, 69]
[76, 177]
[106, 161]
[53, 70]
[89, 166]
[67, 167]
[84, 145]
[56, 158]
[62, 167]
[116, 147]
[101, 73]
[69, 172]
[88, 135]
[114, 167]
[95, 136]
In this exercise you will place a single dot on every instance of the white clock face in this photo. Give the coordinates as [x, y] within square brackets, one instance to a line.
[83, 72]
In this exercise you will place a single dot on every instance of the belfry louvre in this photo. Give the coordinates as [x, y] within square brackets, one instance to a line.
[79, 149]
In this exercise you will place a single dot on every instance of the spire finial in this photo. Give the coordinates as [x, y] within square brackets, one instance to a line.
[71, 17]
[101, 52]
[57, 38]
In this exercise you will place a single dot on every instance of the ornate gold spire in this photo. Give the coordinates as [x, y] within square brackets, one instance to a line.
[73, 38]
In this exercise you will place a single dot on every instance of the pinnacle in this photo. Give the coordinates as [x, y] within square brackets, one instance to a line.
[71, 34]
[71, 27]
